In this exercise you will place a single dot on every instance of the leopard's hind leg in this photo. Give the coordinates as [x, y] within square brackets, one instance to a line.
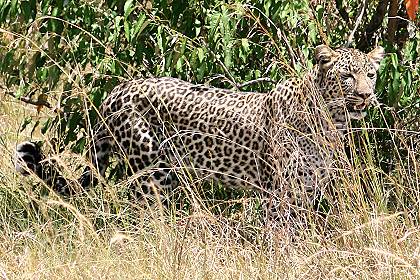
[101, 150]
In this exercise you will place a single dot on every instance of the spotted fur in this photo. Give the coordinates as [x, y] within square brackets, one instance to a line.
[266, 141]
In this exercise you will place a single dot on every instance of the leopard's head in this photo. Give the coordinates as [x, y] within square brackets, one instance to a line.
[347, 77]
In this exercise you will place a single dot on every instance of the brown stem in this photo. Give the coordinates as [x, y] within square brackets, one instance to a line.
[39, 102]
[377, 18]
[374, 24]
[392, 22]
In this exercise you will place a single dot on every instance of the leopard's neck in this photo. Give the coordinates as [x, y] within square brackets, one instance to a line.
[305, 103]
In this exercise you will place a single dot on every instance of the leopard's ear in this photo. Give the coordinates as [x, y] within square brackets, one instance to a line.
[325, 56]
[376, 56]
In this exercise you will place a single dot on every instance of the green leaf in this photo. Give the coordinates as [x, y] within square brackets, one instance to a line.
[394, 60]
[138, 26]
[116, 34]
[267, 5]
[313, 32]
[42, 74]
[245, 44]
[395, 86]
[127, 30]
[45, 5]
[408, 78]
[13, 12]
[22, 90]
[160, 39]
[198, 25]
[320, 13]
[25, 123]
[179, 65]
[227, 37]
[55, 11]
[79, 145]
[128, 8]
[244, 51]
[200, 53]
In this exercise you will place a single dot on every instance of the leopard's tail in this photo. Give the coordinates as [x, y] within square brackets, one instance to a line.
[29, 159]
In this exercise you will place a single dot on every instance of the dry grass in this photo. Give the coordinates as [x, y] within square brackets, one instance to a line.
[103, 236]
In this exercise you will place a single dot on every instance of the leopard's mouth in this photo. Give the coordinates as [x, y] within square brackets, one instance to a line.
[357, 103]
[360, 106]
[356, 107]
[357, 111]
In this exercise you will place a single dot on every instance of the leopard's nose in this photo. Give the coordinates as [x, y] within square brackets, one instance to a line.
[363, 94]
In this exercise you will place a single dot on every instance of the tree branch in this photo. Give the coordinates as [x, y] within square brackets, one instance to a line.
[392, 22]
[39, 102]
[374, 24]
[377, 18]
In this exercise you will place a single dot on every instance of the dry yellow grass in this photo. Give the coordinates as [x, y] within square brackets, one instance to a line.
[102, 236]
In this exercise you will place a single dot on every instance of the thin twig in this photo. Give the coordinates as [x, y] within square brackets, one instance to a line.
[230, 77]
[28, 100]
[312, 12]
[356, 25]
[259, 80]
[400, 18]
[280, 34]
[223, 78]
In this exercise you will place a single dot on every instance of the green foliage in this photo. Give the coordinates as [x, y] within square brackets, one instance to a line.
[77, 52]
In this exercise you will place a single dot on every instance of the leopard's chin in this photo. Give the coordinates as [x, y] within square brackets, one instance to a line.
[357, 115]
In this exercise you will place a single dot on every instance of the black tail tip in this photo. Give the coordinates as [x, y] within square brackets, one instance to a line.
[27, 157]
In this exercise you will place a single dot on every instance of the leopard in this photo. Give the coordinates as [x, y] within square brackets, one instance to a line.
[272, 142]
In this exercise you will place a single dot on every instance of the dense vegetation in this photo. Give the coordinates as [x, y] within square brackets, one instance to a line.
[65, 56]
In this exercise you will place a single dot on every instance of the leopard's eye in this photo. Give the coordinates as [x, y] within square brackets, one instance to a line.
[346, 76]
[371, 75]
